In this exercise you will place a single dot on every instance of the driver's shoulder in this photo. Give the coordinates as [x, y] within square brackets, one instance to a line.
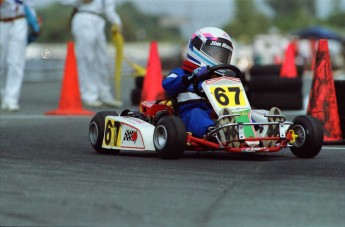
[178, 71]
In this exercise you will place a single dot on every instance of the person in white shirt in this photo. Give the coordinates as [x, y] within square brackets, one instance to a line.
[13, 42]
[88, 30]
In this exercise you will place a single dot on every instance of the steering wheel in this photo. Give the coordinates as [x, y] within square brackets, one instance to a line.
[211, 71]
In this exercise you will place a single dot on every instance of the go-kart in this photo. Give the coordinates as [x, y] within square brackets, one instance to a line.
[156, 126]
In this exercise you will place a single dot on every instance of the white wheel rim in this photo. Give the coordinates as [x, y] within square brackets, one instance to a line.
[160, 137]
[299, 130]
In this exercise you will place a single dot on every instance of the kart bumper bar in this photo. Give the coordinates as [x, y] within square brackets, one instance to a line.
[207, 143]
[240, 128]
[202, 144]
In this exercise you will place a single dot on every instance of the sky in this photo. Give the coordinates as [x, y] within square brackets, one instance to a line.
[195, 14]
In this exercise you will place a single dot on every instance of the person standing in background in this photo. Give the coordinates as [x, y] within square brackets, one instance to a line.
[15, 18]
[88, 30]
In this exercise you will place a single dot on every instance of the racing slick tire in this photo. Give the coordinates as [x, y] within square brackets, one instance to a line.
[282, 100]
[271, 69]
[96, 131]
[170, 137]
[310, 136]
[139, 82]
[276, 84]
[135, 96]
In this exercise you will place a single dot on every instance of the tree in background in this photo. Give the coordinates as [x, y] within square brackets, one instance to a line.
[286, 16]
[336, 20]
[56, 23]
[293, 14]
[247, 22]
[137, 26]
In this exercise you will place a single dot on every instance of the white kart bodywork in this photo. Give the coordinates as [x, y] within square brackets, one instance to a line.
[127, 133]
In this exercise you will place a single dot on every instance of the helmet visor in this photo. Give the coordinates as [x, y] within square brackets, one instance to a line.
[220, 50]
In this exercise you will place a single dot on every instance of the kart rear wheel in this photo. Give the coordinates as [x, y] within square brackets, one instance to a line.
[96, 131]
[170, 137]
[310, 136]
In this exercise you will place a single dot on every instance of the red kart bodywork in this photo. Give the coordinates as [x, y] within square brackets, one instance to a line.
[151, 108]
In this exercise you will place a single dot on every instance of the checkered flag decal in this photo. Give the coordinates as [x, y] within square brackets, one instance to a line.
[130, 135]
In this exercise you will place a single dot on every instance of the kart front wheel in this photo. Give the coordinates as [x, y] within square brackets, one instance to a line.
[170, 137]
[96, 132]
[309, 136]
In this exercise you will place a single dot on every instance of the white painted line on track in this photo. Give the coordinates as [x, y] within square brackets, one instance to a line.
[9, 117]
[338, 147]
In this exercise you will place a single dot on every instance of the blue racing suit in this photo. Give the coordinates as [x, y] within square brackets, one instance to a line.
[194, 110]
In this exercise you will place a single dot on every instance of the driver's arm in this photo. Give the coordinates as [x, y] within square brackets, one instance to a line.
[173, 84]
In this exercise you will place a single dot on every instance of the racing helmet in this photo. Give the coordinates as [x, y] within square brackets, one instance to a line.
[209, 46]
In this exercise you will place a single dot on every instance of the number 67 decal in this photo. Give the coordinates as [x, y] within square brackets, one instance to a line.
[229, 96]
[112, 130]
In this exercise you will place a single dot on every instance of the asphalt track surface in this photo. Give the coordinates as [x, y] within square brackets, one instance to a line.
[51, 176]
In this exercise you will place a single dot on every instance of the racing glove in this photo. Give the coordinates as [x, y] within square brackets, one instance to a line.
[190, 78]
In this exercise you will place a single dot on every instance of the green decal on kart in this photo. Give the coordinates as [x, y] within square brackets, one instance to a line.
[244, 118]
[233, 97]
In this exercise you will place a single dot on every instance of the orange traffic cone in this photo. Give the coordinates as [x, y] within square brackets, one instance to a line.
[152, 87]
[322, 100]
[70, 101]
[289, 69]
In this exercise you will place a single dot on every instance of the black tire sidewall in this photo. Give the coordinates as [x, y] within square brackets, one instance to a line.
[313, 137]
[139, 81]
[99, 120]
[136, 96]
[176, 137]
